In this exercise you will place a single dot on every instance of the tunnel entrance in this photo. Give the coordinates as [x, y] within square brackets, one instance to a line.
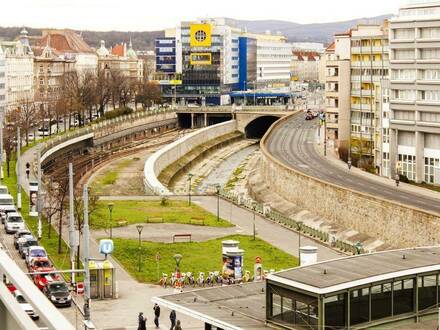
[259, 126]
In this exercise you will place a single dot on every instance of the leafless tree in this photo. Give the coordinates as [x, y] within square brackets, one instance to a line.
[149, 94]
[102, 90]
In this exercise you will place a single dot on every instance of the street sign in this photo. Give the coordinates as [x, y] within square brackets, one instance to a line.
[106, 246]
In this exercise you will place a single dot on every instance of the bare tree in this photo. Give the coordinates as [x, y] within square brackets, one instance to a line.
[149, 94]
[102, 90]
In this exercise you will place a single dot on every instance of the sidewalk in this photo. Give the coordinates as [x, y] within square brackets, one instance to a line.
[134, 297]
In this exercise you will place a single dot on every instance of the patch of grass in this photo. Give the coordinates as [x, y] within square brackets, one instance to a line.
[61, 261]
[234, 177]
[109, 177]
[174, 211]
[197, 256]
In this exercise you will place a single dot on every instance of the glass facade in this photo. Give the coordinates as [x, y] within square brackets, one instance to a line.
[374, 302]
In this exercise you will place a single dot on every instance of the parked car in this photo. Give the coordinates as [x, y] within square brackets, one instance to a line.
[58, 293]
[13, 222]
[29, 310]
[3, 190]
[40, 265]
[35, 252]
[5, 200]
[5, 210]
[25, 243]
[18, 234]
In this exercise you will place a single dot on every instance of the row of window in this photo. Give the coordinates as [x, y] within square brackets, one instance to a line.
[411, 74]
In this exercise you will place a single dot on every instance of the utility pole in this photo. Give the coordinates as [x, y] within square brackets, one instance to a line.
[19, 169]
[39, 196]
[72, 244]
[86, 254]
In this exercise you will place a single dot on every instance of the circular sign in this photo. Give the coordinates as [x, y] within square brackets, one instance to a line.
[200, 35]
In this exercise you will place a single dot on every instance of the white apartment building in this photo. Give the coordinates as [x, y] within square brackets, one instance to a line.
[2, 82]
[415, 92]
[19, 71]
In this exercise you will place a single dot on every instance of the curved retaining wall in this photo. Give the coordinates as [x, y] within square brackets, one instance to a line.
[176, 150]
[397, 224]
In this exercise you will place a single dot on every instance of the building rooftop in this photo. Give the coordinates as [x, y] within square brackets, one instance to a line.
[340, 274]
[64, 41]
[228, 307]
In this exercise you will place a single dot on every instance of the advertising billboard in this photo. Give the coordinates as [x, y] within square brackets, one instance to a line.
[33, 199]
[200, 59]
[200, 35]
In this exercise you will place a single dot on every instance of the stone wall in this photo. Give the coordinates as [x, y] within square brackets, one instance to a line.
[176, 150]
[394, 223]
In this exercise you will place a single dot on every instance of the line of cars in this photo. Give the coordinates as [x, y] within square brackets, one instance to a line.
[40, 269]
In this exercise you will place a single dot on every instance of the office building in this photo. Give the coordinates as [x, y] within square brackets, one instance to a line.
[2, 82]
[415, 92]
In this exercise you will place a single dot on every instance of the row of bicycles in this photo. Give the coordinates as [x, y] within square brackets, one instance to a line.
[211, 279]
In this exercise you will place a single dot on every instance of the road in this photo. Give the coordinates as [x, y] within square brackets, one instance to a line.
[293, 144]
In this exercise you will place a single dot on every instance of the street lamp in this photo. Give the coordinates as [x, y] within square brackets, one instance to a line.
[139, 229]
[254, 207]
[299, 242]
[189, 188]
[217, 187]
[110, 209]
[177, 259]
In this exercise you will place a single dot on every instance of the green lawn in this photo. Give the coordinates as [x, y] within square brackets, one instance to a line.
[61, 261]
[175, 211]
[197, 257]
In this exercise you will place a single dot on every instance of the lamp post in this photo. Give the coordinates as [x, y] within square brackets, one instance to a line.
[177, 259]
[110, 209]
[189, 188]
[254, 206]
[217, 187]
[139, 229]
[299, 242]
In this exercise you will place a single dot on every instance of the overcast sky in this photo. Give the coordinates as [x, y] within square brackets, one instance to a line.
[141, 15]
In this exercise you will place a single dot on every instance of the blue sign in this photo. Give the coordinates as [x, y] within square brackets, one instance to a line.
[106, 246]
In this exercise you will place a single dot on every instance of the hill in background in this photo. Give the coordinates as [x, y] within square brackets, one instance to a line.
[318, 32]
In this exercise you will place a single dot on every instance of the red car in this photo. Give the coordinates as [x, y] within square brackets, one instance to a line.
[41, 264]
[41, 280]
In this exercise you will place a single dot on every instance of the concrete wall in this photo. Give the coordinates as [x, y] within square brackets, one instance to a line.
[396, 224]
[174, 151]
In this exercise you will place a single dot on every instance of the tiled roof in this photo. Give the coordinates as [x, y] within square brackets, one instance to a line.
[64, 41]
[118, 50]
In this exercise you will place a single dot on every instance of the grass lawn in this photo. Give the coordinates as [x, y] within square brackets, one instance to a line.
[197, 256]
[61, 261]
[175, 211]
[108, 178]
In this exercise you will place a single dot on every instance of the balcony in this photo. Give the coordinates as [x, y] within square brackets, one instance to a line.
[363, 107]
[369, 50]
[332, 78]
[363, 92]
[367, 78]
[370, 64]
[331, 93]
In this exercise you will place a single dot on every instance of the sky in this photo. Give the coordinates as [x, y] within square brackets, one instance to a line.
[148, 15]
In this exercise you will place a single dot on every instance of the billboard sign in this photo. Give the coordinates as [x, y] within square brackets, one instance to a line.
[33, 199]
[200, 59]
[200, 35]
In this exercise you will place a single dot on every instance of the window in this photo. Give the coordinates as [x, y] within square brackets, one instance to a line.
[430, 75]
[430, 96]
[335, 311]
[431, 117]
[430, 33]
[403, 74]
[407, 165]
[380, 301]
[430, 165]
[404, 34]
[404, 54]
[386, 135]
[403, 296]
[386, 164]
[430, 54]
[404, 115]
[404, 94]
[427, 292]
[359, 306]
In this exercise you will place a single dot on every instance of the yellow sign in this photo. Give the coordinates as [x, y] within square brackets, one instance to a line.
[200, 35]
[200, 59]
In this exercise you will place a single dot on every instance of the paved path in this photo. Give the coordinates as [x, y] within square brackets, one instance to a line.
[293, 144]
[163, 232]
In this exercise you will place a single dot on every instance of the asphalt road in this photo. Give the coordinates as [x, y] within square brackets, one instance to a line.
[293, 144]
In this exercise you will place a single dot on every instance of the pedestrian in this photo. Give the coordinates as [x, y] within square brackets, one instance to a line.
[156, 309]
[173, 319]
[142, 322]
[178, 327]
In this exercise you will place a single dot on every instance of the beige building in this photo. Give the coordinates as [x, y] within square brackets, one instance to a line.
[305, 65]
[121, 59]
[337, 92]
[369, 67]
[50, 68]
[19, 71]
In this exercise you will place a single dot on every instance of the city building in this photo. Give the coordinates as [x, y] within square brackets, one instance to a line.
[121, 59]
[415, 92]
[71, 46]
[367, 291]
[337, 93]
[2, 83]
[50, 68]
[19, 64]
[369, 66]
[205, 61]
[305, 65]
